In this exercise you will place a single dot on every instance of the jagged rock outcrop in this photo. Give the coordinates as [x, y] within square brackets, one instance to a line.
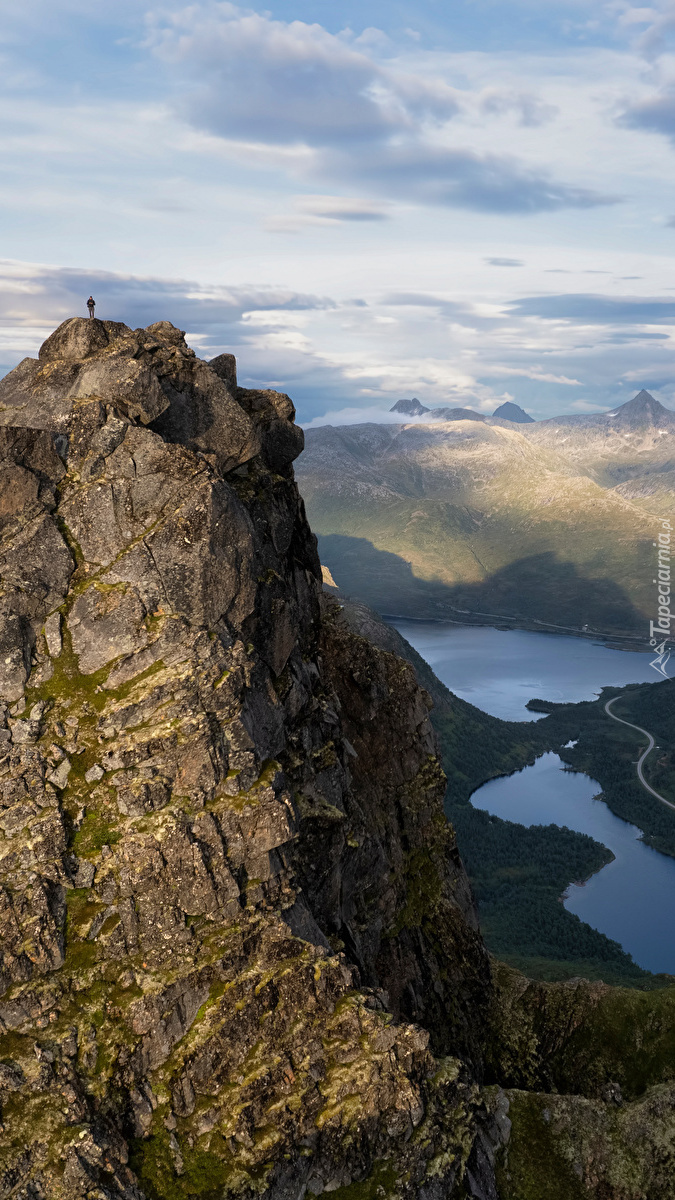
[239, 954]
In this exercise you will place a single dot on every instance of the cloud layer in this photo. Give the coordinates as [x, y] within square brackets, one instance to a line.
[589, 309]
[34, 299]
[551, 353]
[246, 77]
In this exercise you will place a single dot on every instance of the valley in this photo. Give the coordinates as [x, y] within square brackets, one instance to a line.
[541, 524]
[519, 871]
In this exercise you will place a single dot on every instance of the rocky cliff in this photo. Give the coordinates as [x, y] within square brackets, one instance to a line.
[227, 886]
[239, 956]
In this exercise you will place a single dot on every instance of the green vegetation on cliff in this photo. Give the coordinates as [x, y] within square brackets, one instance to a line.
[588, 1072]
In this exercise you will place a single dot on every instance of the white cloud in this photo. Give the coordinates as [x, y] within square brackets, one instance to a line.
[34, 298]
[351, 415]
[531, 109]
[587, 406]
[661, 24]
[344, 360]
[531, 373]
[326, 211]
[627, 15]
[655, 112]
[256, 78]
[382, 292]
[505, 262]
[240, 75]
[433, 173]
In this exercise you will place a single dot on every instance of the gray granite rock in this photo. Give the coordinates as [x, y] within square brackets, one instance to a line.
[105, 624]
[206, 812]
[59, 776]
[53, 634]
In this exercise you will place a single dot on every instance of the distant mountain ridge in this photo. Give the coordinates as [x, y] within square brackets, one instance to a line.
[629, 449]
[456, 414]
[542, 521]
[642, 409]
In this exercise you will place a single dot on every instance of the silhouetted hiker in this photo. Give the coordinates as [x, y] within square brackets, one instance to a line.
[91, 305]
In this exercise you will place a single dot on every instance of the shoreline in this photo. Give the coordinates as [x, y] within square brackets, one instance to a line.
[610, 641]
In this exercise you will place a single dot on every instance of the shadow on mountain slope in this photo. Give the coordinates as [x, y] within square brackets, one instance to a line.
[539, 587]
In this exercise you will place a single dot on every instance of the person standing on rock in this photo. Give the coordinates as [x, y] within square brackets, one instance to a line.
[91, 305]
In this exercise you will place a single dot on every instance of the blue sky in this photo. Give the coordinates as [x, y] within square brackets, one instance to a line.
[465, 202]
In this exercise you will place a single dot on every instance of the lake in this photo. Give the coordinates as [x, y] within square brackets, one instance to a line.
[633, 898]
[500, 670]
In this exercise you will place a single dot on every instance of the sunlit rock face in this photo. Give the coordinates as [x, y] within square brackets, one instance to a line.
[236, 931]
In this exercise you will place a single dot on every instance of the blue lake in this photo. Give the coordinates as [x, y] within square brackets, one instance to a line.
[500, 670]
[633, 898]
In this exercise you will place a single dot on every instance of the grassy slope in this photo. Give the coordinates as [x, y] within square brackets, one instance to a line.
[508, 567]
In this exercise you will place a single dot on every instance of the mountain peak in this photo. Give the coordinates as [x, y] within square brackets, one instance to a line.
[513, 412]
[411, 408]
[643, 409]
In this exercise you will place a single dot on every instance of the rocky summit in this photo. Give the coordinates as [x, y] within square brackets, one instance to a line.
[412, 408]
[239, 953]
[513, 412]
[221, 814]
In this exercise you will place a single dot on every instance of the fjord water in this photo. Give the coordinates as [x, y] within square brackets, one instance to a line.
[500, 670]
[632, 898]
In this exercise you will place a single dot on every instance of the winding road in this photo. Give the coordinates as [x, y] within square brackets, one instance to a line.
[644, 754]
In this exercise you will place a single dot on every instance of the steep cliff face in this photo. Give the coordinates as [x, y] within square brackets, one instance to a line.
[233, 914]
[239, 956]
